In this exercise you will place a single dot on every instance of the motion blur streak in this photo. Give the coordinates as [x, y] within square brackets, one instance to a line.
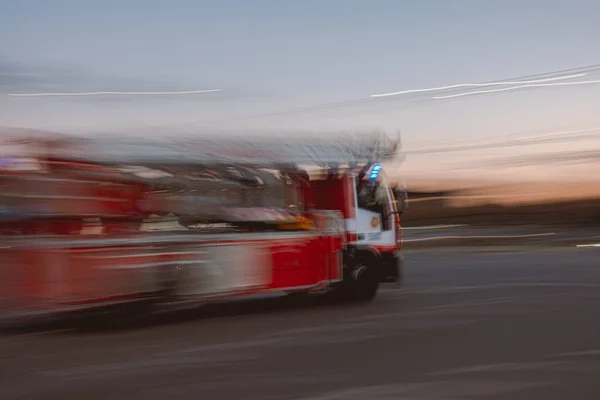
[516, 88]
[441, 88]
[567, 133]
[115, 93]
[483, 237]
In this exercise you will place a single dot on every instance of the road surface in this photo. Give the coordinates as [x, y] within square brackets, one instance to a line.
[469, 324]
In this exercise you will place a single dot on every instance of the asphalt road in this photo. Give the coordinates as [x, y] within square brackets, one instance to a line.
[469, 324]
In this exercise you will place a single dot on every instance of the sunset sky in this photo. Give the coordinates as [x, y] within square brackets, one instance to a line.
[272, 59]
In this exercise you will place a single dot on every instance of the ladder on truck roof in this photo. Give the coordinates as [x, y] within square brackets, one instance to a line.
[260, 152]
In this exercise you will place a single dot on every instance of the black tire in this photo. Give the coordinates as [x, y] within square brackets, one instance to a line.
[361, 280]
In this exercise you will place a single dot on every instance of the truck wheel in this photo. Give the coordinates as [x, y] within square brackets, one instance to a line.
[361, 280]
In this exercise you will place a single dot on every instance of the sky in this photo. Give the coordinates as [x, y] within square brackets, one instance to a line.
[269, 56]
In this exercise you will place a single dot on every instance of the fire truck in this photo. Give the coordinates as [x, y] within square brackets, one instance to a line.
[267, 215]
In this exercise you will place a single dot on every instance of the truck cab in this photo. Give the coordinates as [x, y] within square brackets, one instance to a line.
[372, 220]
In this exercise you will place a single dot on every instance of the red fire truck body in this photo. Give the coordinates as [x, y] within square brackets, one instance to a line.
[327, 240]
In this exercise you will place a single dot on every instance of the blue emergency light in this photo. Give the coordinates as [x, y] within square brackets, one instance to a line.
[375, 172]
